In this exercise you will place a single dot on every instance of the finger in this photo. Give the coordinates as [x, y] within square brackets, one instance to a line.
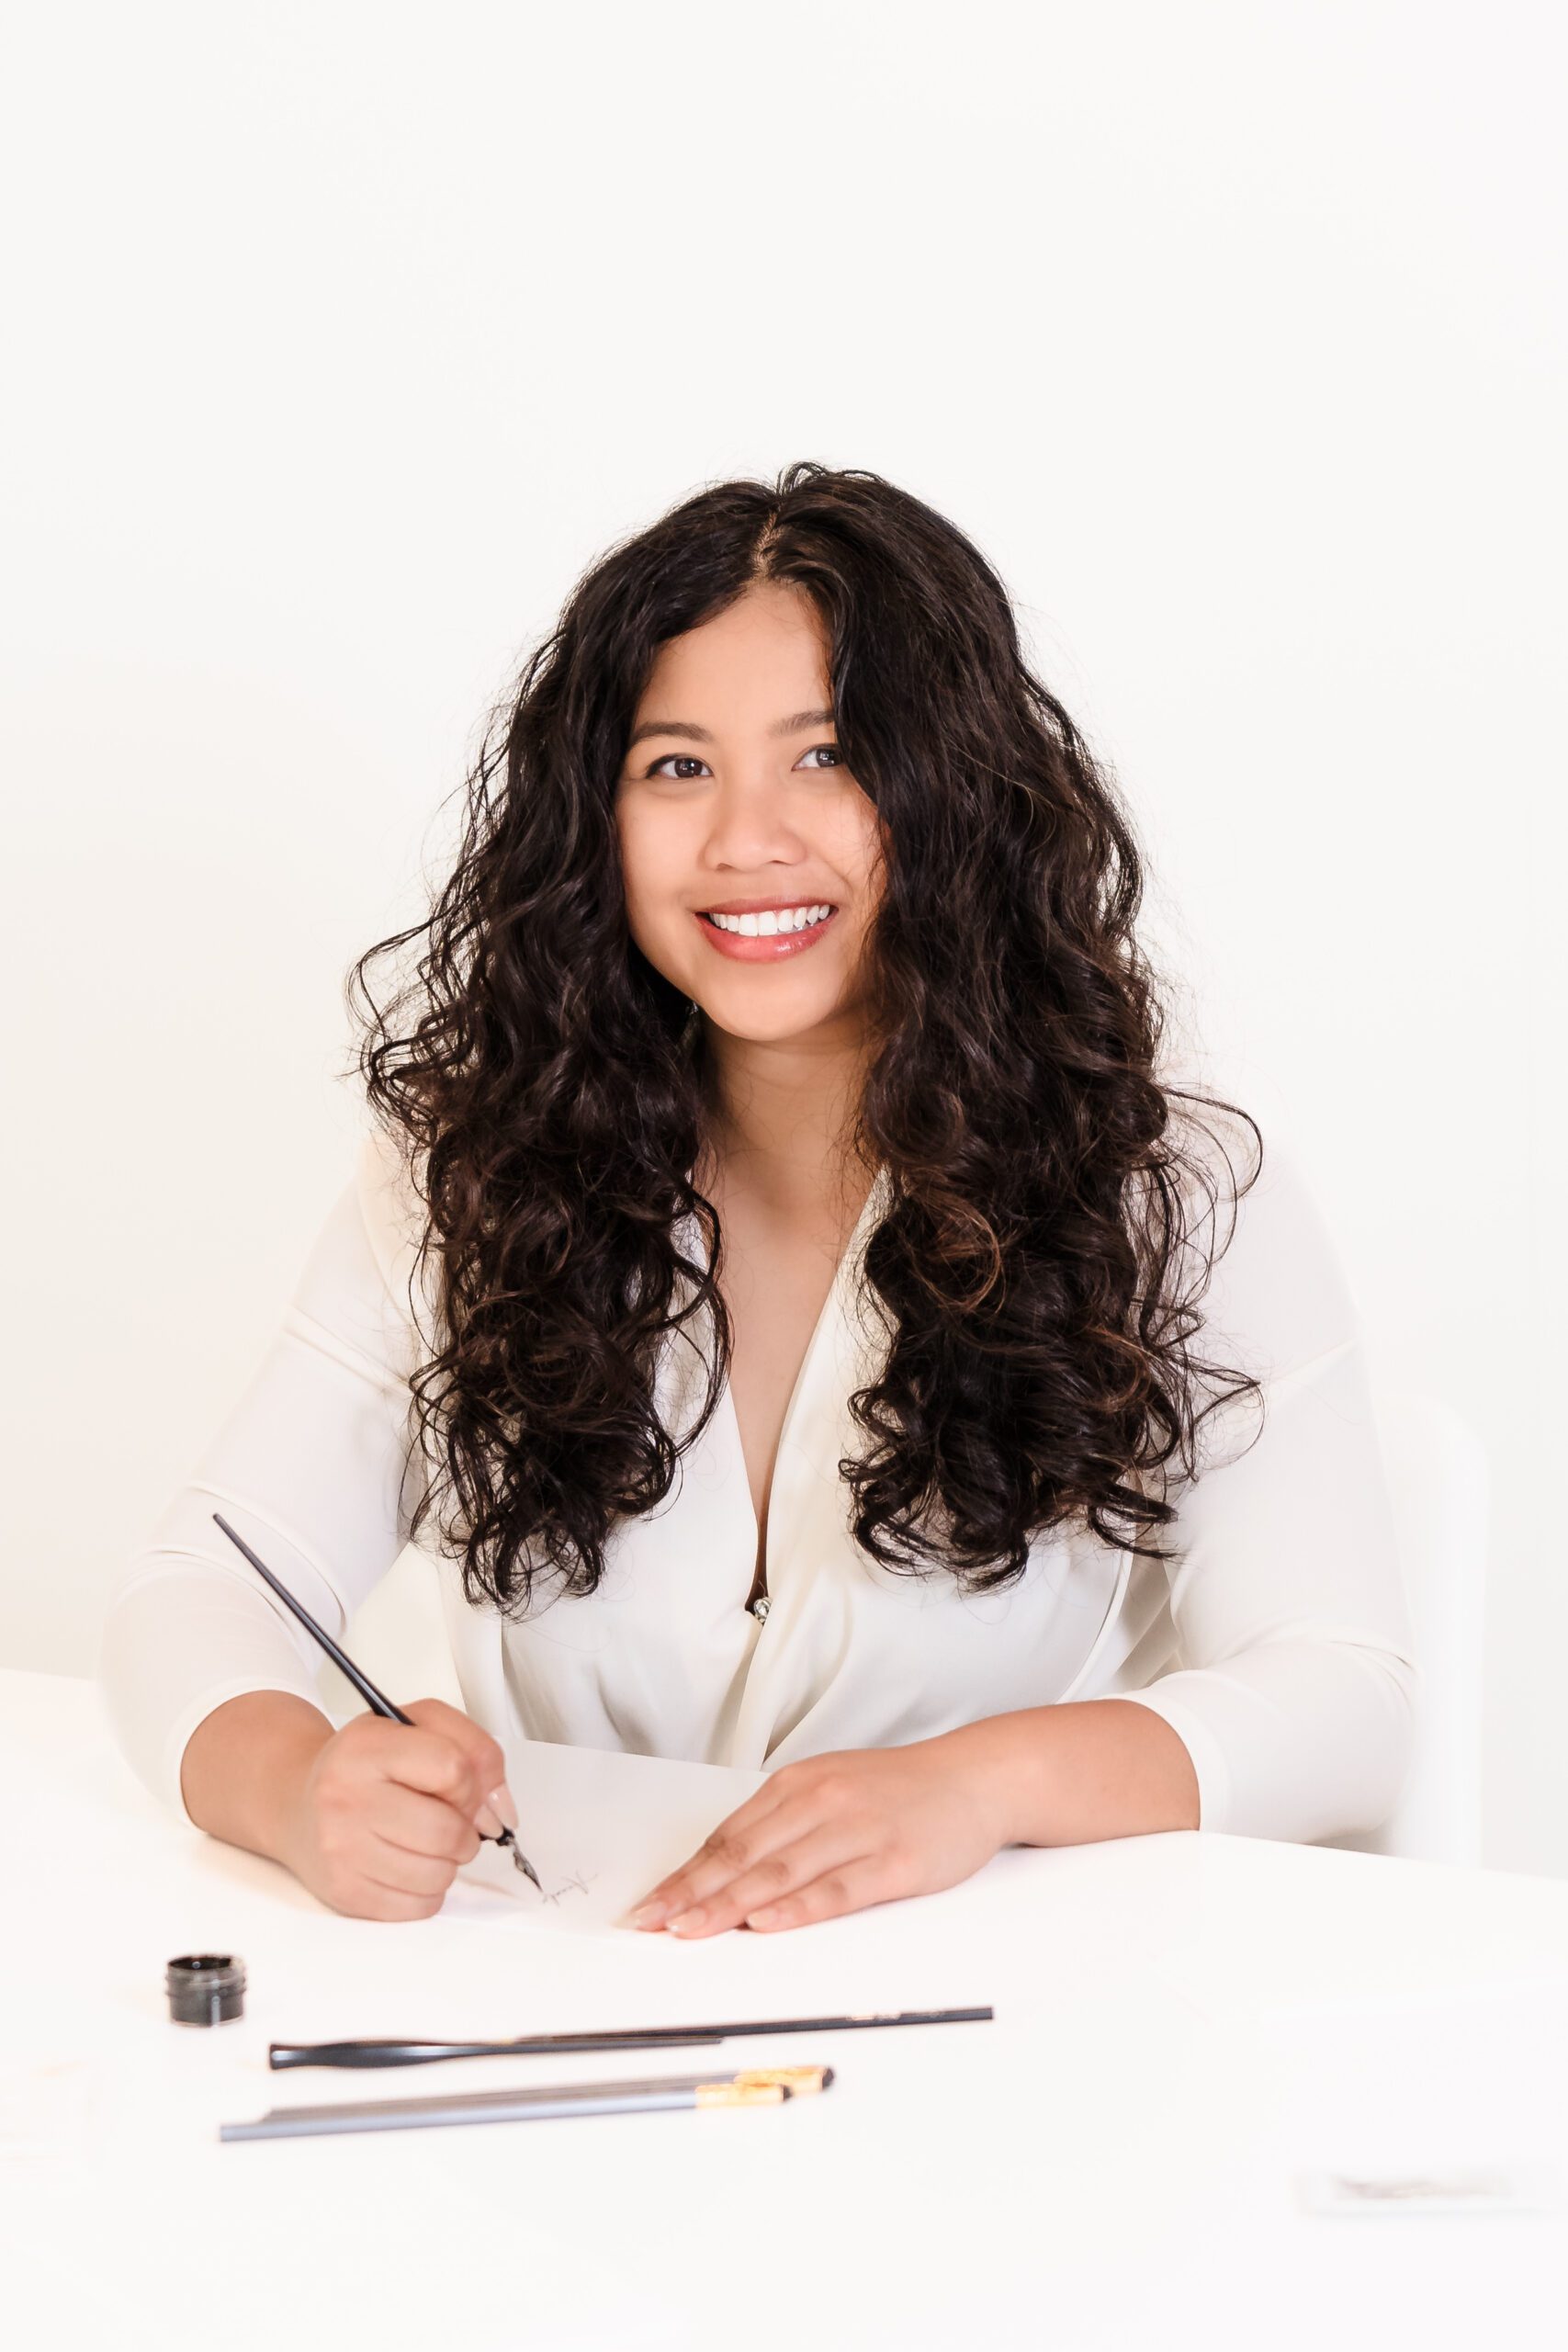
[486, 1751]
[849, 1886]
[739, 1842]
[409, 1873]
[397, 1903]
[487, 1758]
[828, 1845]
[426, 1761]
[422, 1825]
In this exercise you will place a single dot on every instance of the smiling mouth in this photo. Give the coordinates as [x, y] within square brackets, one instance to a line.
[756, 946]
[771, 922]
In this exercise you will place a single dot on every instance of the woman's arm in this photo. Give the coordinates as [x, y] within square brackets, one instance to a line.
[1296, 1687]
[1073, 1774]
[245, 1765]
[312, 1467]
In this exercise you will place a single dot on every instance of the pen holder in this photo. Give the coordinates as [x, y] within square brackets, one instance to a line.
[205, 1987]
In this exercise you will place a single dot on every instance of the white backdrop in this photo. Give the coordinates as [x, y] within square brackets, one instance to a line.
[343, 337]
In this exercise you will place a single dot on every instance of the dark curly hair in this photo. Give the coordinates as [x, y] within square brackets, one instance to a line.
[549, 1101]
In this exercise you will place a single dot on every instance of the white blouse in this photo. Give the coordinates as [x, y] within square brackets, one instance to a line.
[1277, 1642]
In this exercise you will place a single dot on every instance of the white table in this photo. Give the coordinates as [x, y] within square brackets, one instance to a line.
[1109, 2162]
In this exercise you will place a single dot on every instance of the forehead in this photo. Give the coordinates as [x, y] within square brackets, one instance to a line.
[769, 647]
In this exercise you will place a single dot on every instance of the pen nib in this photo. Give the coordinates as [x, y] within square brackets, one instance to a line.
[520, 1859]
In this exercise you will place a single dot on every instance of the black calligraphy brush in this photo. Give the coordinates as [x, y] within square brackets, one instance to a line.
[377, 1700]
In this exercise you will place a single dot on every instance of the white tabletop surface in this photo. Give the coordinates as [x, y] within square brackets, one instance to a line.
[1185, 2024]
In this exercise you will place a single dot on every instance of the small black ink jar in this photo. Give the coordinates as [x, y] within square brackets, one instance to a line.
[205, 1987]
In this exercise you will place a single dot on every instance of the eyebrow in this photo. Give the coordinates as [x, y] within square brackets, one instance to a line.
[793, 725]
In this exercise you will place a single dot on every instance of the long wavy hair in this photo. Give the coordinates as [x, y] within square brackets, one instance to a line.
[544, 1084]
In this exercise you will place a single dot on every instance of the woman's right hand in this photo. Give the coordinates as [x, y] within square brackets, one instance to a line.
[387, 1812]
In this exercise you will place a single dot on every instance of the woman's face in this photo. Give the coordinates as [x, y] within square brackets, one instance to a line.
[733, 794]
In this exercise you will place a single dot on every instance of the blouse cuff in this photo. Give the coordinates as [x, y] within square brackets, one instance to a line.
[156, 1697]
[1299, 1739]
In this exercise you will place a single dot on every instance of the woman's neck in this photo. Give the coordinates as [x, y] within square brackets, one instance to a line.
[778, 1123]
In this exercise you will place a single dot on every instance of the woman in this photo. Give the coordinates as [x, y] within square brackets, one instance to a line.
[779, 1243]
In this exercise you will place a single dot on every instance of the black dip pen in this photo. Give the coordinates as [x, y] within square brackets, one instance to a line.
[653, 2037]
[376, 1700]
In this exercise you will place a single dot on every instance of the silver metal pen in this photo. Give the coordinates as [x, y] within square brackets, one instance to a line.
[754, 2087]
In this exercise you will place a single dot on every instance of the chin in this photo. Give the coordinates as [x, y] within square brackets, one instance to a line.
[760, 1028]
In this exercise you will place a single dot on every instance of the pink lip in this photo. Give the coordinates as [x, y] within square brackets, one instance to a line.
[776, 950]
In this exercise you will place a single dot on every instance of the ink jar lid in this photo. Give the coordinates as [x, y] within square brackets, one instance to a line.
[205, 1987]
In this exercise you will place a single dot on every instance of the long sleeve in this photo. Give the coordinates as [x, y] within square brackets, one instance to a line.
[313, 1467]
[1296, 1693]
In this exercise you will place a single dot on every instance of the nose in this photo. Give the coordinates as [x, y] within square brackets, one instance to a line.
[750, 829]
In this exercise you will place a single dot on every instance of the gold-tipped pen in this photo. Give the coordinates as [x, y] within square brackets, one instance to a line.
[800, 2080]
[741, 2093]
[765, 2085]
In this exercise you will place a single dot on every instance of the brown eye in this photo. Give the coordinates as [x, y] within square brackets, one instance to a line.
[690, 759]
[689, 756]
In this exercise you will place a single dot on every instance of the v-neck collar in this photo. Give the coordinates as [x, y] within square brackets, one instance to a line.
[806, 1380]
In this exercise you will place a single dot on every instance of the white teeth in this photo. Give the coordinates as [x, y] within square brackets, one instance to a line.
[767, 924]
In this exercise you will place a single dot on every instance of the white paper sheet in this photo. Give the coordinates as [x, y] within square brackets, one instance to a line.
[602, 1828]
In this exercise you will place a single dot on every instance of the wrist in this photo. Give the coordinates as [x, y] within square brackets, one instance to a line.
[985, 1755]
[285, 1822]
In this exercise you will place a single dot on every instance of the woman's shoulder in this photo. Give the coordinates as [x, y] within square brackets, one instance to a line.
[1278, 1294]
[392, 1206]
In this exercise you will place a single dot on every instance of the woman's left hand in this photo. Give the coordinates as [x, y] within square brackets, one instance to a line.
[835, 1832]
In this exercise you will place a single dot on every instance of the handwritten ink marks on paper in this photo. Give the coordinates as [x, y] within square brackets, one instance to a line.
[575, 1882]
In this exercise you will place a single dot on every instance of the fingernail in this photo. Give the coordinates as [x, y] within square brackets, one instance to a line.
[489, 1824]
[648, 1915]
[684, 1919]
[502, 1799]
